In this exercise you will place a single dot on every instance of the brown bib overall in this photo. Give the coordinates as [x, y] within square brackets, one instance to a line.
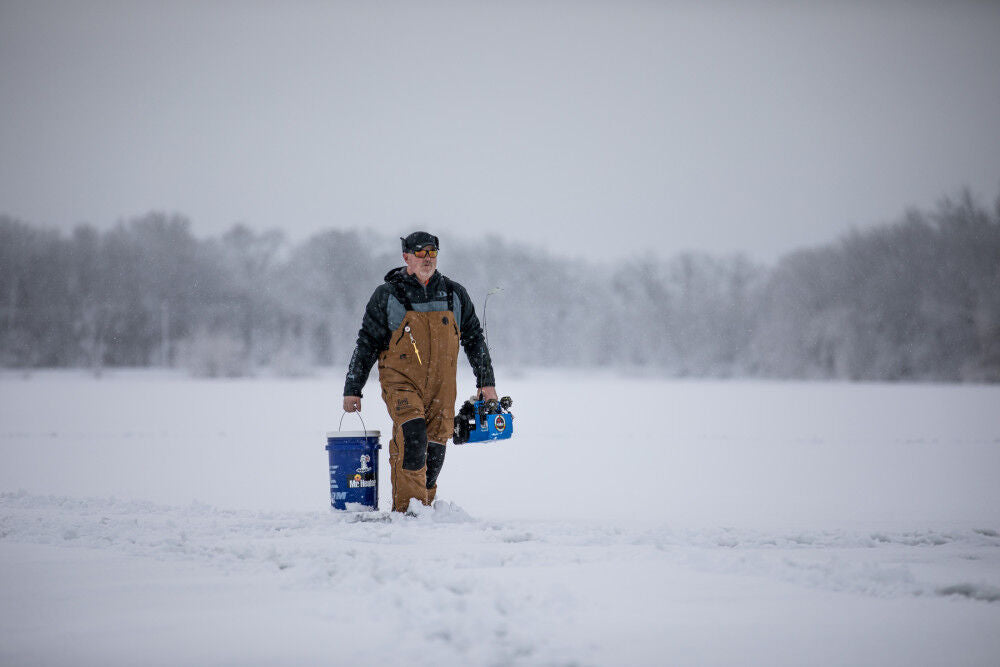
[417, 374]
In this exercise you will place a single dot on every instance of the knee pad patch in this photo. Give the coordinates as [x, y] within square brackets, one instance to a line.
[414, 444]
[435, 459]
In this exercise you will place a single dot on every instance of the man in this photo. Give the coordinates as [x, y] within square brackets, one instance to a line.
[413, 325]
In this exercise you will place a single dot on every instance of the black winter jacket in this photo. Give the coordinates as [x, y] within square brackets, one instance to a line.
[384, 313]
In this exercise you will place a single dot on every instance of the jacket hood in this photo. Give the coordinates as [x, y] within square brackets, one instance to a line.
[399, 274]
[396, 274]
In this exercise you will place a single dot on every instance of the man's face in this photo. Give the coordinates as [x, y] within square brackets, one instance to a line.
[424, 266]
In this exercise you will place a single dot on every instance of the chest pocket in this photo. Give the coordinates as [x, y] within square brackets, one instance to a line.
[405, 343]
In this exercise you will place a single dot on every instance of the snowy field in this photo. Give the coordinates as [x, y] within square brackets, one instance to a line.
[149, 518]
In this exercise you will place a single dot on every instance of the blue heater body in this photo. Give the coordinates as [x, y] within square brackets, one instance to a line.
[484, 420]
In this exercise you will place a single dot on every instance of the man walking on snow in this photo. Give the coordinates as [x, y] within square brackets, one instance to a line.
[413, 325]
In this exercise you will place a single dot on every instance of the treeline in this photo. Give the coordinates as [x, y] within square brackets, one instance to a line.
[915, 300]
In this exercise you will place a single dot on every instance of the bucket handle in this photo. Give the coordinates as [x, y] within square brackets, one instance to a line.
[340, 427]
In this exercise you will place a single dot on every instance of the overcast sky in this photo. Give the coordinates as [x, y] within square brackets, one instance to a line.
[598, 129]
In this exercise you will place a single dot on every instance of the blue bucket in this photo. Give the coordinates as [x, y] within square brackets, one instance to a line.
[353, 469]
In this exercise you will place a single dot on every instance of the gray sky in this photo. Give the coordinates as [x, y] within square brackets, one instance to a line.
[593, 129]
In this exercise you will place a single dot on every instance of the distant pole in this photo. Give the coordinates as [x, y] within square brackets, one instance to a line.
[164, 334]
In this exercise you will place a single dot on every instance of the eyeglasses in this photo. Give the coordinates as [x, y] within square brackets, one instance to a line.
[424, 252]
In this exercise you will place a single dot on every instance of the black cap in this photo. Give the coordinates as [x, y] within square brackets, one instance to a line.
[418, 240]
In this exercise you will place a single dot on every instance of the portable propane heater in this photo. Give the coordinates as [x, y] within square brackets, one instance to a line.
[479, 420]
[482, 420]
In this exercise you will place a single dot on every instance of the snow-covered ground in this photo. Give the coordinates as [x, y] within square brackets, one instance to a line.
[148, 518]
